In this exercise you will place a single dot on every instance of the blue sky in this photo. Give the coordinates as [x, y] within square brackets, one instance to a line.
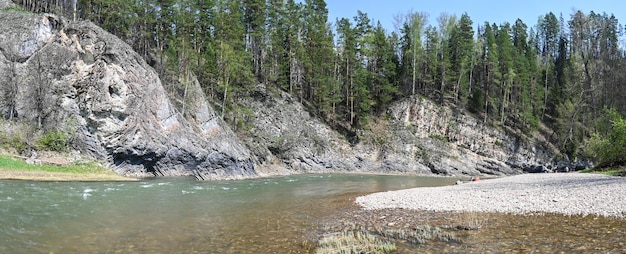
[494, 11]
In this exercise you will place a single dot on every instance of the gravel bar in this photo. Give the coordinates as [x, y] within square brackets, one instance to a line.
[562, 193]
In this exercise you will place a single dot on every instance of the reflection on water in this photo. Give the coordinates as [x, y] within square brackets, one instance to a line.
[169, 215]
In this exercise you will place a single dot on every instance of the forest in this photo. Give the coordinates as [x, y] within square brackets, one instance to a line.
[566, 72]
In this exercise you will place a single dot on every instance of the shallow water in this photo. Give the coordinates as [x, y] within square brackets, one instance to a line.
[174, 215]
[537, 233]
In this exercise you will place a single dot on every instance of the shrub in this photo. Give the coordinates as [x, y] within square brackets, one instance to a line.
[609, 148]
[53, 141]
[13, 136]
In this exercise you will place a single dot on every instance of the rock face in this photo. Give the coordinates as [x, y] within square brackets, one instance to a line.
[285, 138]
[97, 86]
[419, 137]
[452, 142]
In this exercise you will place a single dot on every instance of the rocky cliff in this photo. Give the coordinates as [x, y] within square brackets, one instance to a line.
[78, 77]
[418, 136]
[455, 142]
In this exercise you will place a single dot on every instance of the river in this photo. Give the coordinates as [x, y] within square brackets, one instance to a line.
[181, 215]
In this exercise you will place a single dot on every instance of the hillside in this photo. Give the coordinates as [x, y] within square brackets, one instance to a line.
[152, 114]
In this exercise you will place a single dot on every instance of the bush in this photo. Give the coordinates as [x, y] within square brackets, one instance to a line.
[609, 148]
[14, 136]
[53, 141]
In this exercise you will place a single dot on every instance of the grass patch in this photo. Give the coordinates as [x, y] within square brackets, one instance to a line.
[621, 171]
[10, 163]
[15, 9]
[419, 235]
[442, 138]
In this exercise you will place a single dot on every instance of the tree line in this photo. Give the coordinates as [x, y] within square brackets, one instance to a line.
[563, 71]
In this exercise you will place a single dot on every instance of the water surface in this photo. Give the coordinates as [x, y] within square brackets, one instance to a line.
[174, 215]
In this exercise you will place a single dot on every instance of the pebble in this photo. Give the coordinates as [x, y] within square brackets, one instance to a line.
[562, 193]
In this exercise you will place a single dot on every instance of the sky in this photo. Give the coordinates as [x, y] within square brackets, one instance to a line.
[494, 11]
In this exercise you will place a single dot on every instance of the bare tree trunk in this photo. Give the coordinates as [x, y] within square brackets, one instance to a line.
[545, 95]
[414, 67]
[442, 87]
[225, 95]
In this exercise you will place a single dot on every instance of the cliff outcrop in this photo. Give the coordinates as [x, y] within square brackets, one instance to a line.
[450, 141]
[81, 79]
[417, 136]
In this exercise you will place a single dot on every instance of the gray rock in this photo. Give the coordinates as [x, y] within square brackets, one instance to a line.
[563, 169]
[582, 164]
[283, 134]
[452, 142]
[537, 169]
[113, 102]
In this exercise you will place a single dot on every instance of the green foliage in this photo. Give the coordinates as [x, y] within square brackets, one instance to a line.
[14, 9]
[498, 143]
[442, 138]
[15, 141]
[606, 171]
[54, 141]
[610, 148]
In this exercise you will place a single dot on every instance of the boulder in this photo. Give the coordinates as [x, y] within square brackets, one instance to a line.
[537, 169]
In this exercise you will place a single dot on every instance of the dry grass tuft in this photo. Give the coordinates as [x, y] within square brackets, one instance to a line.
[354, 242]
[470, 220]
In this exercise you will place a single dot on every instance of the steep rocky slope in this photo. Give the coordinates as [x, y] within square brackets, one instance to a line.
[110, 99]
[417, 137]
[454, 142]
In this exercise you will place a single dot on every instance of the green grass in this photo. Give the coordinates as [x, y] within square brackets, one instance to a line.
[10, 163]
[606, 171]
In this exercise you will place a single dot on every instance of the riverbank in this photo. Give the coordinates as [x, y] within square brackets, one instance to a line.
[43, 176]
[568, 194]
[55, 170]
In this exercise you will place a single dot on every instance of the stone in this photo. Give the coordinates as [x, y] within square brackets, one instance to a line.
[536, 169]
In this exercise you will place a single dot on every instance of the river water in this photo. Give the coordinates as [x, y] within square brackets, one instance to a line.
[181, 215]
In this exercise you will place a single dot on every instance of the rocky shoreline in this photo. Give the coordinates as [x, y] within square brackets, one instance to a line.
[568, 194]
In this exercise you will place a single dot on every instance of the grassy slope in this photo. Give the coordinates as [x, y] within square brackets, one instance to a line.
[16, 169]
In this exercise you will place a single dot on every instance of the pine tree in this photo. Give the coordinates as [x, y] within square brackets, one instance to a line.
[234, 72]
[431, 71]
[383, 69]
[492, 72]
[461, 47]
[254, 19]
[447, 24]
[506, 69]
